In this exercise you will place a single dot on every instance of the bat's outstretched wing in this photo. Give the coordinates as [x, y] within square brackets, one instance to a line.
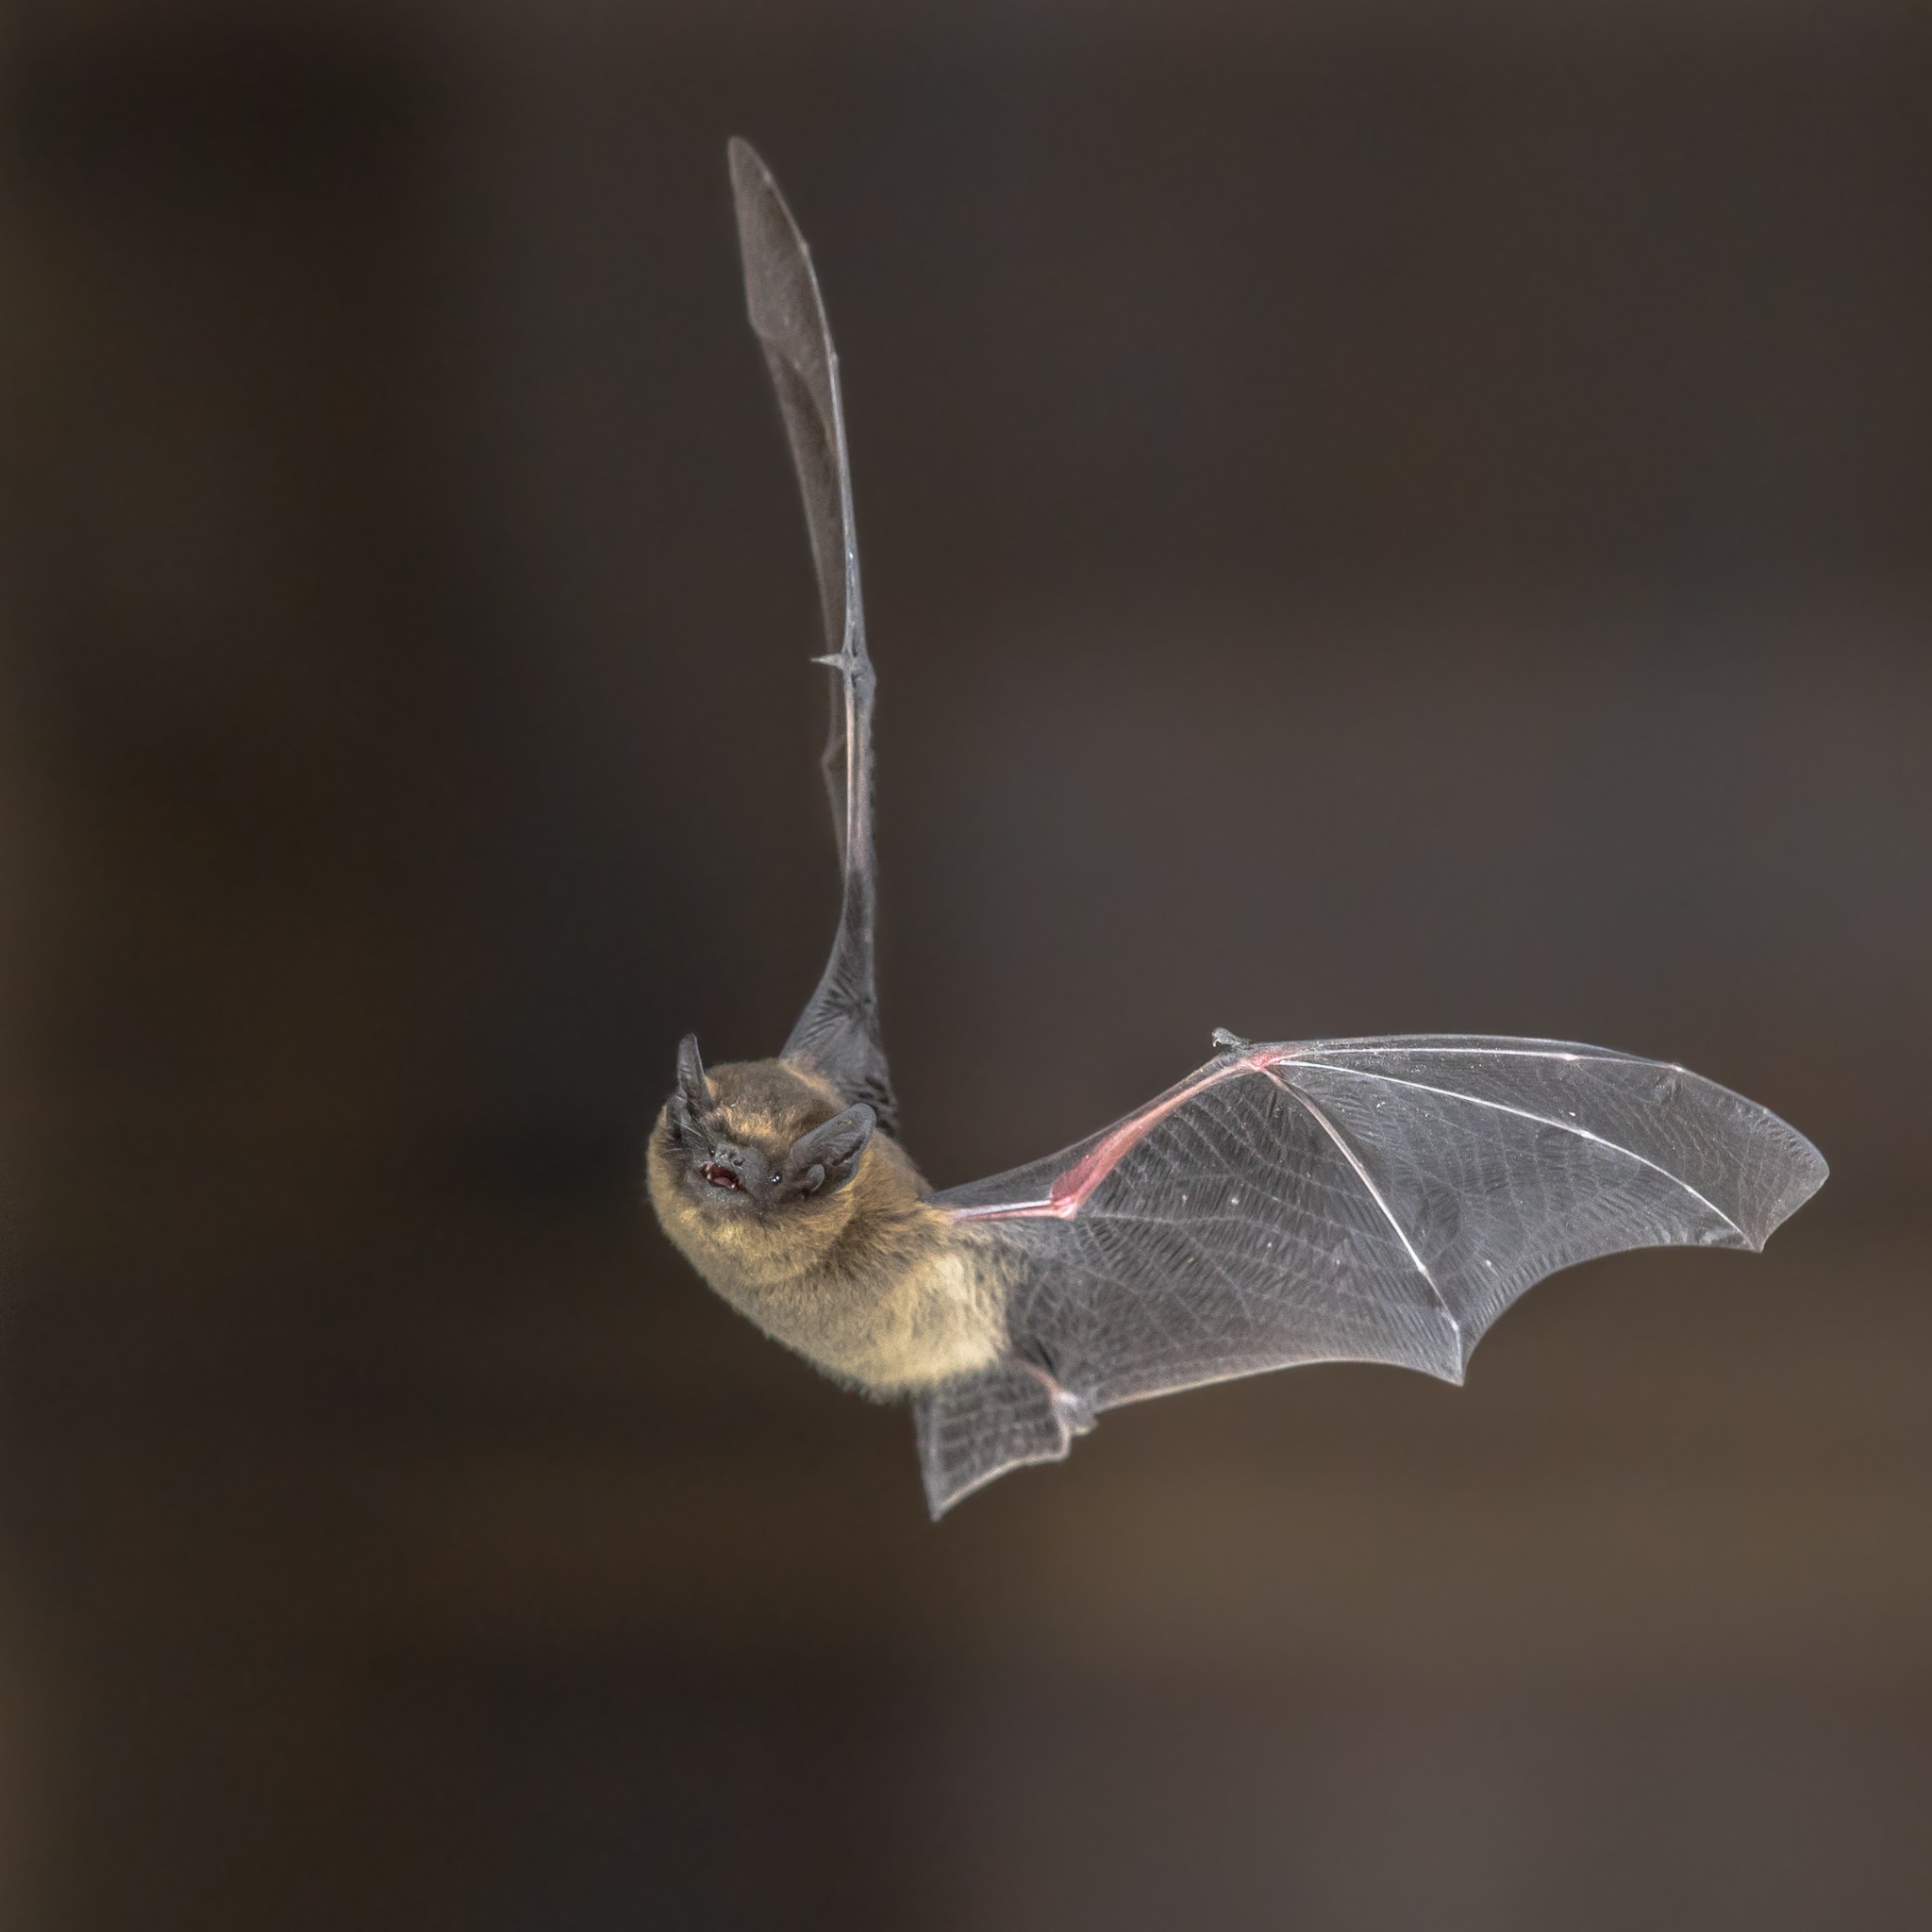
[1348, 1200]
[837, 1034]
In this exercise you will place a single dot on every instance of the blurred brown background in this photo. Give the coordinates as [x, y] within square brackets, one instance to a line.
[1377, 517]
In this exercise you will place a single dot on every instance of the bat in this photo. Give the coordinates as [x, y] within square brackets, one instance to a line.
[1379, 1200]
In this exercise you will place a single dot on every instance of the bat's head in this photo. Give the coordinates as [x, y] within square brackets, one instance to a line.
[755, 1141]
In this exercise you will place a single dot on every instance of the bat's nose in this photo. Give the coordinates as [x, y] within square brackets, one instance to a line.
[726, 1168]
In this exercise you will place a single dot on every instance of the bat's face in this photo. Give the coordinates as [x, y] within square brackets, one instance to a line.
[753, 1142]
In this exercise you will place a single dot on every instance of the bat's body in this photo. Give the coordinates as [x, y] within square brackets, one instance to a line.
[1366, 1200]
[868, 1279]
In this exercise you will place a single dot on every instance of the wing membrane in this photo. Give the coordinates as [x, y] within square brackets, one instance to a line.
[839, 1031]
[1372, 1200]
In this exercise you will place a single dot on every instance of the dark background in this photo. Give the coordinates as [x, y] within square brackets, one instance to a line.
[1377, 517]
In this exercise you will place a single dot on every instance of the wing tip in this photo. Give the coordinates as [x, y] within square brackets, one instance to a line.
[1806, 1170]
[781, 290]
[746, 164]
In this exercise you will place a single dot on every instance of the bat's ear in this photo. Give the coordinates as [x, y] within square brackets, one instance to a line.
[692, 1084]
[828, 1157]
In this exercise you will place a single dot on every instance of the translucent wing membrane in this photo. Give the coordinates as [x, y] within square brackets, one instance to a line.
[1365, 1200]
[837, 1034]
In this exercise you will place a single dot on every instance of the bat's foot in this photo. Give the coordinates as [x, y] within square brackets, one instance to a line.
[1075, 1413]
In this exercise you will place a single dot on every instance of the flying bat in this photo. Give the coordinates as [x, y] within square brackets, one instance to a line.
[1375, 1200]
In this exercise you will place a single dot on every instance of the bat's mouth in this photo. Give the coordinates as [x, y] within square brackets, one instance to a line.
[721, 1177]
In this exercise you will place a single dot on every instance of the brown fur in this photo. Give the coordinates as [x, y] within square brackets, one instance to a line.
[867, 1281]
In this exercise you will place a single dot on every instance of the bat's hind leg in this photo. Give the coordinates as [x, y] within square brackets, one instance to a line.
[1075, 1411]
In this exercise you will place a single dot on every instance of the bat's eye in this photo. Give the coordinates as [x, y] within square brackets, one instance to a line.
[719, 1175]
[777, 1180]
